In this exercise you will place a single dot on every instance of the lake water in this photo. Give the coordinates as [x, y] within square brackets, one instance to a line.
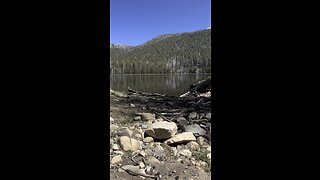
[170, 84]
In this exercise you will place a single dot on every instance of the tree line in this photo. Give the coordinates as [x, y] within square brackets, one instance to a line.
[177, 53]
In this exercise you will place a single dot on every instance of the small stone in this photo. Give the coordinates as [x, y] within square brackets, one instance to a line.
[185, 152]
[129, 144]
[137, 118]
[116, 160]
[127, 132]
[138, 136]
[193, 146]
[174, 150]
[209, 149]
[208, 116]
[198, 163]
[203, 164]
[209, 155]
[140, 131]
[200, 140]
[193, 115]
[132, 128]
[132, 105]
[147, 116]
[159, 120]
[111, 119]
[180, 147]
[159, 151]
[144, 126]
[148, 152]
[132, 169]
[182, 121]
[113, 127]
[115, 147]
[148, 169]
[148, 139]
[141, 165]
[195, 129]
[153, 161]
[143, 154]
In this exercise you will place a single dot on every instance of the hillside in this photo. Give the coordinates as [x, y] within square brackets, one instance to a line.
[177, 53]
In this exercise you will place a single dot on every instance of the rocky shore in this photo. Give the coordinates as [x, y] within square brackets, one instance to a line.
[154, 136]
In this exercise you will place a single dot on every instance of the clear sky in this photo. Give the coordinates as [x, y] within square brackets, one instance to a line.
[134, 22]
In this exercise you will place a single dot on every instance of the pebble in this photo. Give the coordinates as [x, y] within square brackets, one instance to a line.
[116, 160]
[141, 165]
[193, 115]
[209, 156]
[209, 149]
[148, 140]
[193, 146]
[113, 127]
[138, 136]
[115, 147]
[137, 118]
[185, 152]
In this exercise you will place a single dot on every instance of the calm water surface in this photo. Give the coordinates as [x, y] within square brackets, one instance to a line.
[170, 84]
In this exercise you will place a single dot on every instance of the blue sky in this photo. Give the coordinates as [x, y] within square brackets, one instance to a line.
[134, 22]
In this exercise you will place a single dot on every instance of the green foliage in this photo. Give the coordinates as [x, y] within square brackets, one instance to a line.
[202, 155]
[176, 53]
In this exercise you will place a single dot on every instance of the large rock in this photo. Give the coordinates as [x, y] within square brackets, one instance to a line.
[162, 130]
[181, 138]
[129, 144]
[195, 129]
[147, 116]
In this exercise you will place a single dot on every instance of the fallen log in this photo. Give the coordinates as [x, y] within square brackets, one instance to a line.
[200, 88]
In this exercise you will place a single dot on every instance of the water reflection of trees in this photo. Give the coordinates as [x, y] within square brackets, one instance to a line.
[171, 84]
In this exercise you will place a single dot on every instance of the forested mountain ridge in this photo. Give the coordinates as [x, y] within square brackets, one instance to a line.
[169, 53]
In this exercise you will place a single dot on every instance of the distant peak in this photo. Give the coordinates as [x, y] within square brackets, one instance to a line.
[209, 27]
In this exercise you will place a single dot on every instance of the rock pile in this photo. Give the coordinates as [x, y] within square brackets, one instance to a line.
[150, 145]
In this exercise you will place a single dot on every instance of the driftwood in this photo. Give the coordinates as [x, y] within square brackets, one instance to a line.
[200, 88]
[169, 108]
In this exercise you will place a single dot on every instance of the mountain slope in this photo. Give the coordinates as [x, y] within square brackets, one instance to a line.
[179, 53]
